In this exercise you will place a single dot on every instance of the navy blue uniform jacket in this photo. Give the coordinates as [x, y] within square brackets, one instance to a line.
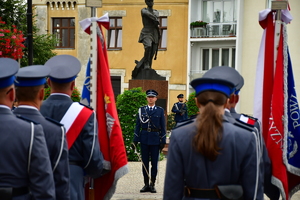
[156, 120]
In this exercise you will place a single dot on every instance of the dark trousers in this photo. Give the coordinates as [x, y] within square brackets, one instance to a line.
[150, 152]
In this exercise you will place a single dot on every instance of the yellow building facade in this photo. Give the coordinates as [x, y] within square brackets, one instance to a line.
[171, 60]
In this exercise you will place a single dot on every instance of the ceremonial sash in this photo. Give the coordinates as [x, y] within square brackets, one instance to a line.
[74, 120]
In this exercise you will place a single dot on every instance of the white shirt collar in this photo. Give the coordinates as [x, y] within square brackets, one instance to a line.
[62, 94]
[4, 106]
[27, 106]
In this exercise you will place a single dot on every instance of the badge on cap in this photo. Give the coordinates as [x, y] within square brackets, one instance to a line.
[32, 76]
[8, 68]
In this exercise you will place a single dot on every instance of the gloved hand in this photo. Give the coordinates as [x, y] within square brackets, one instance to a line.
[161, 146]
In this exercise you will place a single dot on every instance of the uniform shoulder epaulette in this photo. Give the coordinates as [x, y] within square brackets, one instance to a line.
[86, 106]
[248, 119]
[26, 119]
[243, 125]
[185, 122]
[54, 121]
[159, 107]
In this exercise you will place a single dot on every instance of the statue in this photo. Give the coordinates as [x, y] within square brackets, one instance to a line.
[150, 37]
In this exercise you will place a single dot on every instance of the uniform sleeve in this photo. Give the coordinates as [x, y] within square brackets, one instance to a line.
[136, 137]
[92, 156]
[41, 181]
[174, 109]
[61, 173]
[163, 128]
[174, 179]
[250, 171]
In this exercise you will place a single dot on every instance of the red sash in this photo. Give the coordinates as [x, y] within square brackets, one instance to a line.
[74, 121]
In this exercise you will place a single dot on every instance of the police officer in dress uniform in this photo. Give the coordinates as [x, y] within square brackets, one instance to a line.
[229, 73]
[180, 109]
[85, 157]
[30, 93]
[150, 131]
[213, 154]
[25, 169]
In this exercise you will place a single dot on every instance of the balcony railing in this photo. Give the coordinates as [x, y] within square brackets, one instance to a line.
[214, 30]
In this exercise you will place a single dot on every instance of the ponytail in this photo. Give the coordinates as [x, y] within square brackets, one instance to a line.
[209, 124]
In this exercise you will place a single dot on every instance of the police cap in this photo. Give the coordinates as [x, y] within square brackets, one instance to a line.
[33, 75]
[226, 73]
[212, 84]
[8, 68]
[151, 93]
[180, 96]
[64, 68]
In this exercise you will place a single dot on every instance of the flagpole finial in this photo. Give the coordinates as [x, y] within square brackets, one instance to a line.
[279, 5]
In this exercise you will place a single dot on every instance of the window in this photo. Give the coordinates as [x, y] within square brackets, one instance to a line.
[221, 16]
[115, 33]
[64, 29]
[163, 21]
[204, 56]
[116, 84]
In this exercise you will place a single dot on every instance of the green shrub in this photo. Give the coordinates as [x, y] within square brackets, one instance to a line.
[128, 104]
[170, 122]
[75, 95]
[191, 105]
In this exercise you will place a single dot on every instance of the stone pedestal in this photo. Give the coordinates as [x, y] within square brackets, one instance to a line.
[160, 86]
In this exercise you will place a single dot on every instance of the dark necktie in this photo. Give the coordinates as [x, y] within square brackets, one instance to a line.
[151, 109]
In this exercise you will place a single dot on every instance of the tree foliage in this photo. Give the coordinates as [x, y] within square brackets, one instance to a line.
[191, 105]
[14, 12]
[128, 104]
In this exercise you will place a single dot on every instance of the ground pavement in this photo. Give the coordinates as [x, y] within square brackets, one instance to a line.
[128, 187]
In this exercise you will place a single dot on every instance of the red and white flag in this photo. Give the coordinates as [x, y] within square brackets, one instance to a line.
[276, 103]
[109, 129]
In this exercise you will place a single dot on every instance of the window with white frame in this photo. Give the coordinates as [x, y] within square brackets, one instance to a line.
[221, 16]
[163, 22]
[115, 33]
[204, 56]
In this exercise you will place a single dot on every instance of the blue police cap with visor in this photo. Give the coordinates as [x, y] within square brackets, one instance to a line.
[8, 69]
[64, 68]
[212, 84]
[33, 75]
[151, 93]
[226, 73]
[180, 96]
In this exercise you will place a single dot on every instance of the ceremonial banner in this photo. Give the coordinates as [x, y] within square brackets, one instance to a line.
[109, 129]
[277, 107]
[85, 95]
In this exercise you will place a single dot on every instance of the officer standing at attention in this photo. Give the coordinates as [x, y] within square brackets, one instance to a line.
[212, 154]
[30, 94]
[180, 109]
[25, 169]
[150, 131]
[85, 157]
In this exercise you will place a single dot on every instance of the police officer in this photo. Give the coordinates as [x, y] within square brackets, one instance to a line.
[150, 131]
[212, 154]
[179, 109]
[30, 93]
[85, 156]
[25, 169]
[229, 73]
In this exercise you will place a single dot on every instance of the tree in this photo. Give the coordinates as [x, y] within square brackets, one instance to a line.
[13, 12]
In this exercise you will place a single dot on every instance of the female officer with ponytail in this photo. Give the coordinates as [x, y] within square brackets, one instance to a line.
[212, 158]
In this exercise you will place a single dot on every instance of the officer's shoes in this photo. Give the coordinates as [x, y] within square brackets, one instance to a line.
[152, 189]
[146, 188]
